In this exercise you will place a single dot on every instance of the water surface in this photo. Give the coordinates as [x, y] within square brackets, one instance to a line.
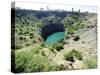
[54, 38]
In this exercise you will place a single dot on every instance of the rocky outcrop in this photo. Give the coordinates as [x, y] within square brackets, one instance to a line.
[71, 65]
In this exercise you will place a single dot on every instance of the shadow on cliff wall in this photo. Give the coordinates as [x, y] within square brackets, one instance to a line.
[50, 29]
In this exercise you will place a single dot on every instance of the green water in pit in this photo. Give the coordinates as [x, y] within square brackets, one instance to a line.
[54, 38]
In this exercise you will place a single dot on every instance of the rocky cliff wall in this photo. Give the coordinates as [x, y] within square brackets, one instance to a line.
[50, 29]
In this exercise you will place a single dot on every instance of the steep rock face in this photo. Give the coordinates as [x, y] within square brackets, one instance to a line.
[50, 29]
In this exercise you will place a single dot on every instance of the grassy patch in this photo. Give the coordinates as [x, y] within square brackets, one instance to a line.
[90, 63]
[33, 61]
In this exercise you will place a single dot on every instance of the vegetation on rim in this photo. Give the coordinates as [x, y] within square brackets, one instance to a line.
[33, 55]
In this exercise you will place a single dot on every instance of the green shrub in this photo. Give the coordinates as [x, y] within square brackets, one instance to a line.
[23, 61]
[21, 38]
[40, 39]
[69, 57]
[57, 67]
[51, 48]
[32, 61]
[61, 41]
[26, 32]
[34, 41]
[67, 37]
[36, 50]
[34, 67]
[38, 63]
[58, 46]
[71, 30]
[27, 44]
[74, 54]
[20, 30]
[76, 38]
[31, 35]
[43, 45]
[18, 46]
[90, 63]
[20, 62]
[20, 33]
[43, 53]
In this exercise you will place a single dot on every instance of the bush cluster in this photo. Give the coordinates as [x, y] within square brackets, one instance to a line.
[90, 63]
[74, 54]
[76, 38]
[18, 46]
[57, 46]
